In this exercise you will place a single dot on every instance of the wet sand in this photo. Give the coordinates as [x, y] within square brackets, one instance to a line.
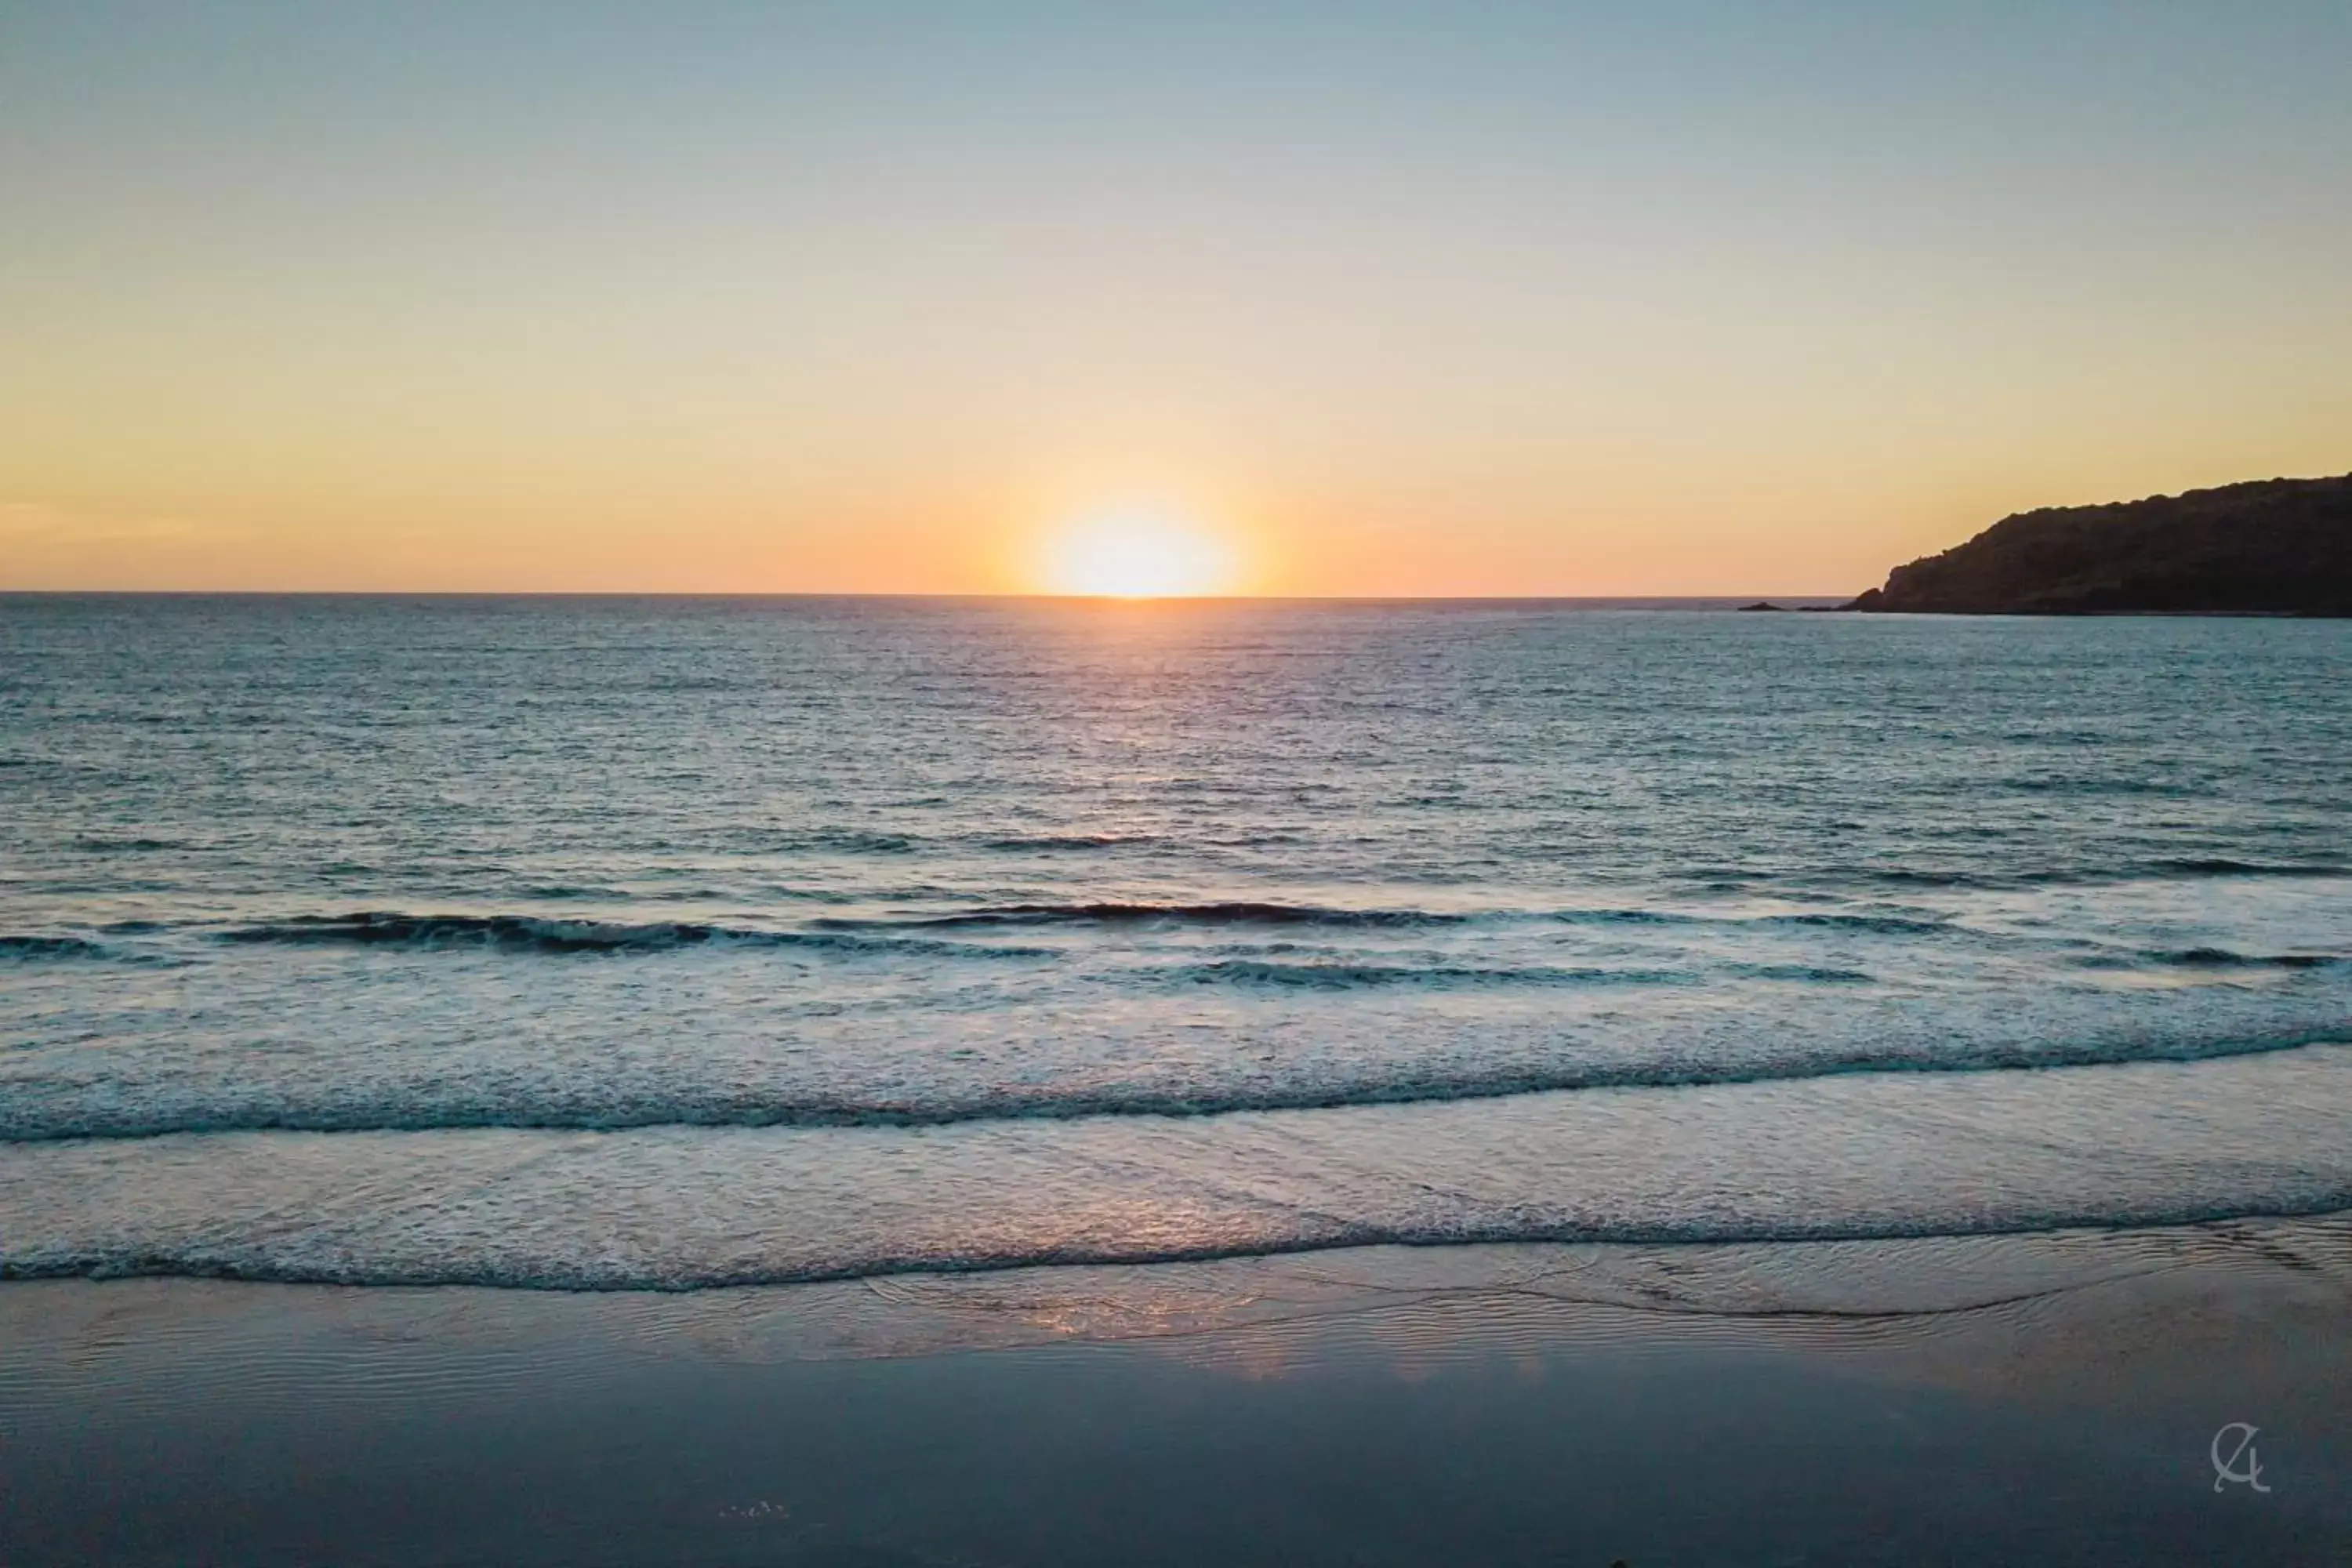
[2045, 1399]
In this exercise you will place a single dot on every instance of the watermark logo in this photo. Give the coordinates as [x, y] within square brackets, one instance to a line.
[2238, 1439]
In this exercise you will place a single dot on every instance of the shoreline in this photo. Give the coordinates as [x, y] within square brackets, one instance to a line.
[1823, 1402]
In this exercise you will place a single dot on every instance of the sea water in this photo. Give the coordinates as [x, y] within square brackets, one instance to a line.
[668, 943]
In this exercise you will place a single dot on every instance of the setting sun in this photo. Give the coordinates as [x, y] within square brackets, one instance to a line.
[1138, 555]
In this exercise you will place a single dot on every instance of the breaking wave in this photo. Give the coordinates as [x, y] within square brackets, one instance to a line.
[559, 1103]
[1234, 912]
[50, 947]
[2222, 958]
[1342, 976]
[533, 933]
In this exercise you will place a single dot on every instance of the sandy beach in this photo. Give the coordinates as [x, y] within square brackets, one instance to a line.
[2037, 1399]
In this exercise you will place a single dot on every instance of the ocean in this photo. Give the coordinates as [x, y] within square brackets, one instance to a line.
[664, 944]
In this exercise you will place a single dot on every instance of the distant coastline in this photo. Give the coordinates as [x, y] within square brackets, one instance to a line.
[2279, 547]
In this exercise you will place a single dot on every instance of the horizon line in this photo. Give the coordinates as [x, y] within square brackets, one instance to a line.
[1137, 599]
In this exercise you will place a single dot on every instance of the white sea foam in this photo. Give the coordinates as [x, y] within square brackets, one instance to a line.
[682, 1208]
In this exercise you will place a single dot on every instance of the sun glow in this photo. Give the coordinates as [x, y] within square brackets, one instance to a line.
[1138, 555]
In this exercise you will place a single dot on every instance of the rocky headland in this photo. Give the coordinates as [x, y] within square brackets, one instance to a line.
[2265, 547]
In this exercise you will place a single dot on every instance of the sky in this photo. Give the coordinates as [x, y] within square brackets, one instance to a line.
[1340, 298]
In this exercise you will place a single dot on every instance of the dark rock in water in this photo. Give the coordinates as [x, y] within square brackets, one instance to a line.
[2266, 547]
[1759, 605]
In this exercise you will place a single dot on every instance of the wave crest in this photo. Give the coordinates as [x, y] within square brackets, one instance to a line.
[50, 947]
[534, 934]
[562, 1105]
[1228, 912]
[1343, 976]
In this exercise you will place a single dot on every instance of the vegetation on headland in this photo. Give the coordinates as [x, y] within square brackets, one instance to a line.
[2264, 547]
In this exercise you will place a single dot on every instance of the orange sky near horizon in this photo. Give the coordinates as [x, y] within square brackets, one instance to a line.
[1549, 301]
